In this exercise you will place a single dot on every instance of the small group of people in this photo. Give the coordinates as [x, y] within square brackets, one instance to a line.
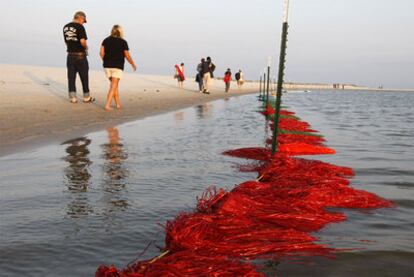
[205, 74]
[114, 50]
[239, 76]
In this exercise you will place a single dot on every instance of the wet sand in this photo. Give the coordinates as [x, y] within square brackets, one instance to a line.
[35, 109]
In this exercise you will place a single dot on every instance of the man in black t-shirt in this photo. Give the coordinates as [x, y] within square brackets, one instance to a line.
[75, 38]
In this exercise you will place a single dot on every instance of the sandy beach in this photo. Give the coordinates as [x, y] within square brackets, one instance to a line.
[35, 109]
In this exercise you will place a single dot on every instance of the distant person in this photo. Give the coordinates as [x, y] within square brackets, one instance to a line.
[240, 79]
[208, 73]
[114, 51]
[227, 79]
[179, 74]
[199, 76]
[212, 67]
[75, 37]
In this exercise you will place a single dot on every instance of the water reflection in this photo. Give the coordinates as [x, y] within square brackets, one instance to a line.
[77, 175]
[268, 133]
[179, 116]
[115, 172]
[204, 111]
[77, 172]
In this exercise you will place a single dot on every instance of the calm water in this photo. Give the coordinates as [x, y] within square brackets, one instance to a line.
[65, 209]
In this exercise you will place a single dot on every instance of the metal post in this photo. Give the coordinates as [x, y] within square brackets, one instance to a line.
[282, 61]
[260, 87]
[264, 87]
[268, 84]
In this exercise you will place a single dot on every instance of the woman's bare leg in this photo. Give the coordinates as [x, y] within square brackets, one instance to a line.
[109, 96]
[117, 101]
[112, 89]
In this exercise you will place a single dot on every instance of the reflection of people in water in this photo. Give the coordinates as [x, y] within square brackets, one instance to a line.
[204, 111]
[77, 171]
[77, 174]
[115, 172]
[179, 116]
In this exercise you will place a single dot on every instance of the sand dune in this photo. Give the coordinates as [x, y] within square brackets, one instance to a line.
[35, 107]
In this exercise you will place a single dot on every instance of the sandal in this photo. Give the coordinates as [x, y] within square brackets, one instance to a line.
[74, 100]
[90, 100]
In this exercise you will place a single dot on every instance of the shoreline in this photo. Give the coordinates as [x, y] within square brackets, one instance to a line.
[289, 86]
[36, 110]
[37, 141]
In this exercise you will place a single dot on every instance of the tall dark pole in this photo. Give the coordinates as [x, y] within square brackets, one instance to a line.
[268, 84]
[281, 75]
[264, 85]
[260, 87]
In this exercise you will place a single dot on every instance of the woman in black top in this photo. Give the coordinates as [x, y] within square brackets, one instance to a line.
[114, 51]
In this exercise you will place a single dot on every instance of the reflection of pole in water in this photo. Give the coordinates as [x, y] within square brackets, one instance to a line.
[115, 172]
[77, 175]
[267, 130]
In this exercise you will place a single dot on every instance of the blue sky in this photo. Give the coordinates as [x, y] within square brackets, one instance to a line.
[366, 42]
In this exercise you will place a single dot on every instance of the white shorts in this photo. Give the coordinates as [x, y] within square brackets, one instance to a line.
[113, 73]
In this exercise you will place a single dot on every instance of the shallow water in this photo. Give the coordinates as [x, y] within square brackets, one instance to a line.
[65, 209]
[373, 132]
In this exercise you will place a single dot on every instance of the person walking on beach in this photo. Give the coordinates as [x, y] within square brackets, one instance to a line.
[114, 51]
[75, 37]
[227, 79]
[208, 73]
[179, 74]
[199, 76]
[240, 79]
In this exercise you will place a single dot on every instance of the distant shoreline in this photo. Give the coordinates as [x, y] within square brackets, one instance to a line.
[322, 86]
[301, 86]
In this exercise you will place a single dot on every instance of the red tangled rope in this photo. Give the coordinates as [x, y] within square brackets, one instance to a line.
[269, 218]
[202, 264]
[292, 138]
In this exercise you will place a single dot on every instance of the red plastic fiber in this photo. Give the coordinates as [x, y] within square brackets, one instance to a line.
[268, 218]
